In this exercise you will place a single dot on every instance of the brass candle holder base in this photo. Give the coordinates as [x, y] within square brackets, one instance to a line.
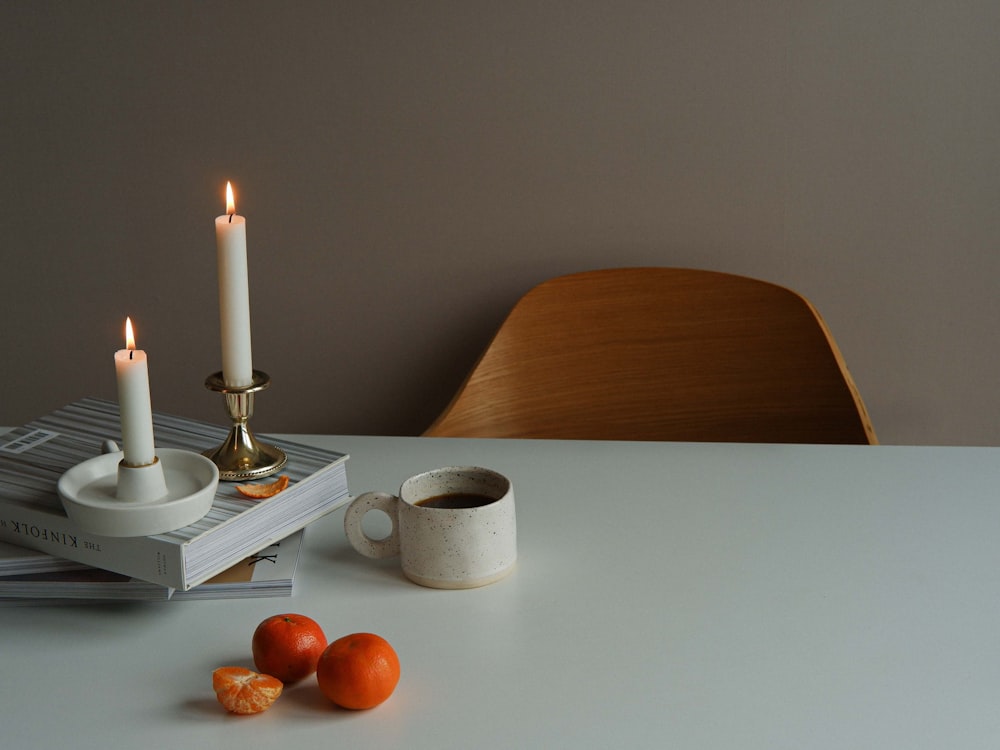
[242, 456]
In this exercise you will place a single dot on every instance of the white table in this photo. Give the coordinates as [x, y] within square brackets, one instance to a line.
[667, 595]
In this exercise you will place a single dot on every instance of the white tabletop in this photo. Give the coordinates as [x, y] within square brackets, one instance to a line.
[667, 595]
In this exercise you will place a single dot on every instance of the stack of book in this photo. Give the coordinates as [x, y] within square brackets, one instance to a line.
[235, 532]
[30, 577]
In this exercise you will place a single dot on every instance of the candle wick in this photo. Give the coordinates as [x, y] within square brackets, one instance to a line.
[130, 353]
[230, 218]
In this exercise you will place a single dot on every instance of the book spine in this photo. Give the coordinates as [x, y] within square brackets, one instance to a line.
[139, 557]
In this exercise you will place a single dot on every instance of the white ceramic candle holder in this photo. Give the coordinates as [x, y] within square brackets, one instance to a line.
[106, 496]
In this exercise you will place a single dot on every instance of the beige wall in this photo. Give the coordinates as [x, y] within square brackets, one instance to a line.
[407, 170]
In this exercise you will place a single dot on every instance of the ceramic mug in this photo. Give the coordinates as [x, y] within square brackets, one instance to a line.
[453, 528]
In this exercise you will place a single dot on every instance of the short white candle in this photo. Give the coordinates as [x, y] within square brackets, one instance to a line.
[133, 402]
[234, 295]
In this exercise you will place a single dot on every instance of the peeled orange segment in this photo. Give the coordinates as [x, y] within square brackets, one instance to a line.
[263, 490]
[243, 691]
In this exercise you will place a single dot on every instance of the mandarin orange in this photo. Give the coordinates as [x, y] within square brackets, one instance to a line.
[243, 691]
[288, 646]
[358, 671]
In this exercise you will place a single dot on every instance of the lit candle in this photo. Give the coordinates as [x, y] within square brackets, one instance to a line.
[133, 402]
[234, 294]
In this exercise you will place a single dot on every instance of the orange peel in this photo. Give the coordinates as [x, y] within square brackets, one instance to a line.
[259, 491]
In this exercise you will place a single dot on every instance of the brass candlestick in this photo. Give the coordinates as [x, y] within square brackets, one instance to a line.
[242, 456]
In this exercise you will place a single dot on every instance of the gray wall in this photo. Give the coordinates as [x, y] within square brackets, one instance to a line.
[408, 170]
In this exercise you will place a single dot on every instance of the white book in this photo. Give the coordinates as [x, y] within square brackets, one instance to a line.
[268, 573]
[17, 560]
[34, 457]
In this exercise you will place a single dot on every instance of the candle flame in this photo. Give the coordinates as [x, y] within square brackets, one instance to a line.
[230, 202]
[129, 336]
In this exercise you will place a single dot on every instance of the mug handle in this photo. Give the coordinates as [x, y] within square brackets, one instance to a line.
[356, 511]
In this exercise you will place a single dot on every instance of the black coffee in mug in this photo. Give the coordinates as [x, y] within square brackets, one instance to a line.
[456, 500]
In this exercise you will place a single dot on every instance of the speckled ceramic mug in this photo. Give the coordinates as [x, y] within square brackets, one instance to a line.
[453, 528]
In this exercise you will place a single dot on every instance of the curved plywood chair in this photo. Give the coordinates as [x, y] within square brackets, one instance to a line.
[660, 354]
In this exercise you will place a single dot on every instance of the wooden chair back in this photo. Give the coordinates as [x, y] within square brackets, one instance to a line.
[660, 354]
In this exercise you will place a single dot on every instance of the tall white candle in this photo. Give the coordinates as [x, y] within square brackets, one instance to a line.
[234, 295]
[133, 402]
